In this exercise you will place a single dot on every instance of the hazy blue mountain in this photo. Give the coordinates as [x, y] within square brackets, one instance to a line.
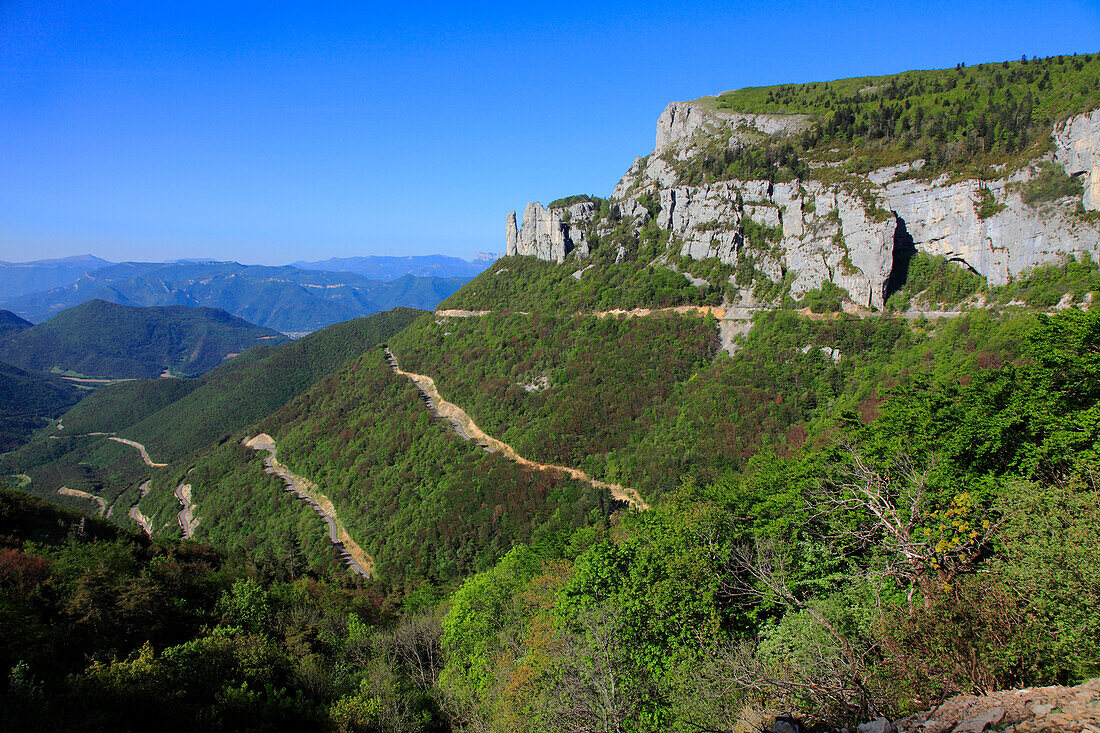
[392, 268]
[288, 299]
[102, 339]
[21, 278]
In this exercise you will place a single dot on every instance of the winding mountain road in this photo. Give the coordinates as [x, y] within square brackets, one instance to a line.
[470, 431]
[135, 513]
[186, 517]
[65, 491]
[349, 551]
[141, 449]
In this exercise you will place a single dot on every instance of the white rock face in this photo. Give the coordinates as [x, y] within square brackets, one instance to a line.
[829, 231]
[1077, 148]
[681, 120]
[546, 235]
[943, 220]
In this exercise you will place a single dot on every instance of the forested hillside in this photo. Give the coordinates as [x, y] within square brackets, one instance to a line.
[102, 339]
[11, 324]
[115, 632]
[428, 506]
[28, 402]
[948, 545]
[844, 510]
[173, 418]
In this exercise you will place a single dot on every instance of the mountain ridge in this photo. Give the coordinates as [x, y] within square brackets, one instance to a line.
[842, 183]
[106, 340]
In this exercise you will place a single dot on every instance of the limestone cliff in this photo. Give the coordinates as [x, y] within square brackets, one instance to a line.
[835, 225]
[549, 234]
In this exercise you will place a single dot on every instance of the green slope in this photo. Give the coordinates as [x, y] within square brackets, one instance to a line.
[174, 422]
[426, 504]
[11, 324]
[966, 119]
[101, 339]
[28, 402]
[174, 418]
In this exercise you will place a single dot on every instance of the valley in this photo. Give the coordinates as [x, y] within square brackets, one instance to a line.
[802, 419]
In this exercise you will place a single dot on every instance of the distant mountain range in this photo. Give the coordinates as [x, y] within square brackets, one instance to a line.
[102, 339]
[288, 299]
[23, 278]
[392, 268]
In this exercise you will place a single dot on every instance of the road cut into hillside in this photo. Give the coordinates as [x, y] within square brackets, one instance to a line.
[351, 554]
[140, 448]
[65, 491]
[135, 513]
[470, 431]
[187, 519]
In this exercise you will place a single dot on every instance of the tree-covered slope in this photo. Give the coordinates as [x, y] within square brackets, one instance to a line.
[11, 324]
[108, 631]
[233, 395]
[945, 542]
[954, 118]
[428, 506]
[176, 417]
[103, 339]
[28, 402]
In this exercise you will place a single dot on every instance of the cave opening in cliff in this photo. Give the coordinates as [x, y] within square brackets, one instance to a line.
[904, 251]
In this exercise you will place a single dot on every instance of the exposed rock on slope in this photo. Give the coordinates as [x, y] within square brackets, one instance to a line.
[843, 228]
[1077, 148]
[683, 120]
[547, 233]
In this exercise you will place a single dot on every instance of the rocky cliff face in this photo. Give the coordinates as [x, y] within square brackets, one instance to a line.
[1077, 145]
[845, 232]
[548, 233]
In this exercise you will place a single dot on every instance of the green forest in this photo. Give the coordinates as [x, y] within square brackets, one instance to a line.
[845, 539]
[965, 120]
[102, 339]
[846, 515]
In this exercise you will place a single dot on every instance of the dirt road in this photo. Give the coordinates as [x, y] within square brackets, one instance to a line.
[141, 449]
[455, 414]
[187, 519]
[135, 513]
[65, 491]
[352, 555]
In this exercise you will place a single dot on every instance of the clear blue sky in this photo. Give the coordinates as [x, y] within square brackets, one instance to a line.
[272, 132]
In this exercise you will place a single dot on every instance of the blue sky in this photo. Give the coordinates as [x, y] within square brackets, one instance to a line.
[273, 132]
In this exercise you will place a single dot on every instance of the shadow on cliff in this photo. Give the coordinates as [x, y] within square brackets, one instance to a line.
[904, 251]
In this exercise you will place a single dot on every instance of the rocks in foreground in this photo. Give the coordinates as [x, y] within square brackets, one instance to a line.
[1054, 709]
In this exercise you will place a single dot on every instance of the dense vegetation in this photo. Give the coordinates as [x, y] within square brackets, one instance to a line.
[644, 401]
[11, 324]
[967, 118]
[115, 632]
[176, 418]
[949, 545]
[234, 395]
[102, 339]
[28, 402]
[561, 389]
[429, 506]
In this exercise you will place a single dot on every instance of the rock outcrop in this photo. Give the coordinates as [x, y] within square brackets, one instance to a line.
[682, 120]
[847, 232]
[550, 234]
[1077, 148]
